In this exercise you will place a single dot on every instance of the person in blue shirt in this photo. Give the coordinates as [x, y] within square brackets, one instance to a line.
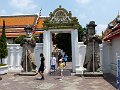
[65, 58]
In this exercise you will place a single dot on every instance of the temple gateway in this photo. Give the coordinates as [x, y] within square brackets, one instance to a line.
[59, 21]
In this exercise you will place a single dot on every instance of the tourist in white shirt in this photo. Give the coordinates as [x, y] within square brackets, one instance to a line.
[53, 62]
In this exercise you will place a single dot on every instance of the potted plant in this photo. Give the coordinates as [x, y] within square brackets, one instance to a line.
[3, 50]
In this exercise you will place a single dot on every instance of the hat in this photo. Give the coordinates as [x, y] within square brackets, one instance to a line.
[60, 60]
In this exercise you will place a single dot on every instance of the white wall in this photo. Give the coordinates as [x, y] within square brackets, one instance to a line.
[109, 50]
[115, 49]
[15, 54]
[105, 57]
[38, 50]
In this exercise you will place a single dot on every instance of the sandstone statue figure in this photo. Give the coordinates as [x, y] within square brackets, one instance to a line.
[28, 57]
[92, 41]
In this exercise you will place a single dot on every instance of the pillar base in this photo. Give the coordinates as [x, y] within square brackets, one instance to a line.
[80, 70]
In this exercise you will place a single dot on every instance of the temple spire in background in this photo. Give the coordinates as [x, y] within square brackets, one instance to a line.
[40, 12]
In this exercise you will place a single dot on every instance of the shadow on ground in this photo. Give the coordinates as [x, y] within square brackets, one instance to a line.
[110, 79]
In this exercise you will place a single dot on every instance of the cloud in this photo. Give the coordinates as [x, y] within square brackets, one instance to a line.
[83, 1]
[100, 28]
[23, 4]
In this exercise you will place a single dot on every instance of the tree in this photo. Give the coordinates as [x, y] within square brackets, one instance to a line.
[19, 39]
[80, 33]
[3, 44]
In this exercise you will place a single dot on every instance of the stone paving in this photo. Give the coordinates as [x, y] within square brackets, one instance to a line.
[11, 81]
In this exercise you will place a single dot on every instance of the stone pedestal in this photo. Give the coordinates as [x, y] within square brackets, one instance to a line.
[93, 74]
[4, 69]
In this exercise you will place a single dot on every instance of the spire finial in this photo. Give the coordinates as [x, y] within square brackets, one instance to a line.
[60, 6]
[40, 12]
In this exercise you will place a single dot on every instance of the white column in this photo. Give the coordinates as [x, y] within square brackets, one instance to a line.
[11, 58]
[37, 56]
[74, 38]
[81, 58]
[46, 49]
[18, 59]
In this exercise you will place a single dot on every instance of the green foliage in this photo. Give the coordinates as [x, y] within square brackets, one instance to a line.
[80, 33]
[3, 36]
[19, 39]
[3, 44]
[3, 64]
[3, 50]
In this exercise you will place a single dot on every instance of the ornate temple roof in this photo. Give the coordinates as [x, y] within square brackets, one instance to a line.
[15, 24]
[113, 30]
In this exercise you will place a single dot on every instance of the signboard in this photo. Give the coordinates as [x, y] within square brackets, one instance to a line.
[118, 74]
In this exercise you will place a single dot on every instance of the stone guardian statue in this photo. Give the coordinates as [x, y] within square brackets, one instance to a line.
[92, 41]
[28, 57]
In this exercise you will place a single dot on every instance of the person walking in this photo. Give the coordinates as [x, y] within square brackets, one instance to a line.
[65, 58]
[53, 63]
[61, 67]
[59, 57]
[42, 66]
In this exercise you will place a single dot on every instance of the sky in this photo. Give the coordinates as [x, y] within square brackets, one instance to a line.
[100, 11]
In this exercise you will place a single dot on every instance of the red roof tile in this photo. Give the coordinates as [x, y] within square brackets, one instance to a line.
[22, 20]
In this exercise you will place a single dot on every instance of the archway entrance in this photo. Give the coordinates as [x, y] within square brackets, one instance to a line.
[60, 21]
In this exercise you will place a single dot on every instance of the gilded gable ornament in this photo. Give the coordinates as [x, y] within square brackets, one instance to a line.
[60, 18]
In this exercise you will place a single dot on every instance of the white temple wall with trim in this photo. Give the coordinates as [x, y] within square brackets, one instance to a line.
[15, 54]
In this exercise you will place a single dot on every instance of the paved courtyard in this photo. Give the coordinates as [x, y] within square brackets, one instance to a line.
[11, 81]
